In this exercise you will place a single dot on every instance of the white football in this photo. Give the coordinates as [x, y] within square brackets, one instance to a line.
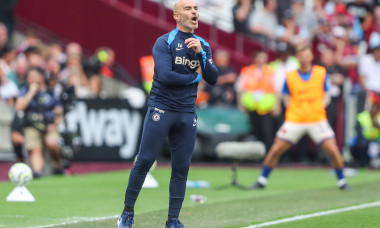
[20, 174]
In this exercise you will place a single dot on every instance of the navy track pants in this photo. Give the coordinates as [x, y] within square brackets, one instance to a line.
[181, 130]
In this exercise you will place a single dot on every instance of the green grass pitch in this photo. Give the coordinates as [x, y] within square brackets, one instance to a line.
[290, 192]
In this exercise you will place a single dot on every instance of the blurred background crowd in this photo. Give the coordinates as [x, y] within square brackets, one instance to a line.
[42, 74]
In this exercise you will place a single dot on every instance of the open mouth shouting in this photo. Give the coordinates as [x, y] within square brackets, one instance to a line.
[194, 20]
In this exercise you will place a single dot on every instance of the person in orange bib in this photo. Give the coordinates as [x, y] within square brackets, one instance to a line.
[147, 72]
[257, 96]
[306, 96]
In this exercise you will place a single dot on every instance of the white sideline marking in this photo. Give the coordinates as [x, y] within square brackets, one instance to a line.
[317, 214]
[88, 219]
[290, 219]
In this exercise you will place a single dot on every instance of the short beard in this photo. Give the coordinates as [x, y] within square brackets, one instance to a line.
[187, 26]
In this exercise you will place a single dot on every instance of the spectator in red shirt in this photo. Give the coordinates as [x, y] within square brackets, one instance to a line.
[346, 52]
[375, 26]
[342, 17]
[3, 35]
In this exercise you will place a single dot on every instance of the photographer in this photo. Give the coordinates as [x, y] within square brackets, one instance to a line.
[42, 113]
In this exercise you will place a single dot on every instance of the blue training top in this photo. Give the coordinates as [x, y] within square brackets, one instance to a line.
[175, 82]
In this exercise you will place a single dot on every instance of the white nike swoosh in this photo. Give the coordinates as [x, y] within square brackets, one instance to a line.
[179, 49]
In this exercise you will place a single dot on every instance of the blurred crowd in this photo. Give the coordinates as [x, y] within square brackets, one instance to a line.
[40, 80]
[319, 21]
[345, 38]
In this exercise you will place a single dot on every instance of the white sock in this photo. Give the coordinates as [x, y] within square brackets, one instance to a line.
[341, 182]
[262, 180]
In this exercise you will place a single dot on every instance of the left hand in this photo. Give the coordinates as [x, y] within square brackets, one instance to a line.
[194, 43]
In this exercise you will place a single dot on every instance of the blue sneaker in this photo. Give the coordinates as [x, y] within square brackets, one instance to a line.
[125, 220]
[174, 223]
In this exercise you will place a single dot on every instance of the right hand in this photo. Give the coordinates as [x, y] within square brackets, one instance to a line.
[33, 88]
[199, 71]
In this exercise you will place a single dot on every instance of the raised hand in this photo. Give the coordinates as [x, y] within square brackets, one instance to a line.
[194, 43]
[33, 88]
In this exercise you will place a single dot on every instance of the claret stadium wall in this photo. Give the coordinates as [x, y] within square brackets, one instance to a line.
[130, 27]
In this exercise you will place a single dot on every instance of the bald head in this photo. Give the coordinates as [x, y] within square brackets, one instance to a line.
[185, 12]
[176, 7]
[180, 4]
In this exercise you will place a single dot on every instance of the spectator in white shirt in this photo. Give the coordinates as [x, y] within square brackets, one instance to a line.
[7, 55]
[263, 22]
[369, 68]
[8, 89]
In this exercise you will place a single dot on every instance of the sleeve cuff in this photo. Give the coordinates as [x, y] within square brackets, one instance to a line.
[197, 79]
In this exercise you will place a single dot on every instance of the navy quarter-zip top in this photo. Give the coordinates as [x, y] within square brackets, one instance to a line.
[175, 81]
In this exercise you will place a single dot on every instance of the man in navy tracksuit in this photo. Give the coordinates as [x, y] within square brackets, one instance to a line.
[182, 60]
